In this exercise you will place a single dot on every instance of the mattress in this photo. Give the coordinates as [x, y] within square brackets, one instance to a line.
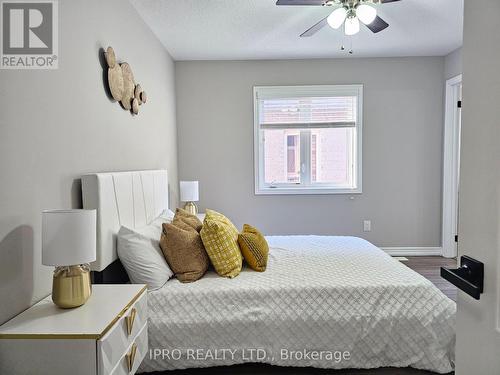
[326, 302]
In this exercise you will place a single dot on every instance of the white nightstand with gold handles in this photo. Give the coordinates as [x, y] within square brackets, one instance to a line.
[106, 336]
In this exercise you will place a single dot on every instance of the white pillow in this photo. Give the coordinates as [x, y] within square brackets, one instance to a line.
[165, 217]
[140, 253]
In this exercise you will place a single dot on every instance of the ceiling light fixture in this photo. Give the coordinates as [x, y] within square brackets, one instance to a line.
[350, 15]
[365, 11]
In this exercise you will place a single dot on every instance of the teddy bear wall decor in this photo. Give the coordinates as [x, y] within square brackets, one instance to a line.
[122, 84]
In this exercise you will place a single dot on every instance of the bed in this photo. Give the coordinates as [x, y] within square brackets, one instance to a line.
[324, 301]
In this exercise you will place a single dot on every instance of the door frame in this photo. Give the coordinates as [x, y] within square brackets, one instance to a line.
[451, 162]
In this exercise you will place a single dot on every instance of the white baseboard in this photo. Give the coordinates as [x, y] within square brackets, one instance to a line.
[413, 251]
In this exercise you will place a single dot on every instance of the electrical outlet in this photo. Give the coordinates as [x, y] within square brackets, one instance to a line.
[367, 225]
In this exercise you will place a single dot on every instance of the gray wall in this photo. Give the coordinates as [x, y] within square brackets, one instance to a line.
[453, 64]
[478, 336]
[57, 125]
[402, 146]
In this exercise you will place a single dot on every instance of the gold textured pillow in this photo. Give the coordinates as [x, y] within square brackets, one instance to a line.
[184, 251]
[254, 248]
[220, 238]
[188, 218]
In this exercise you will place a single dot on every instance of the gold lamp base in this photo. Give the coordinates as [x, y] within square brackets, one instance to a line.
[71, 286]
[191, 208]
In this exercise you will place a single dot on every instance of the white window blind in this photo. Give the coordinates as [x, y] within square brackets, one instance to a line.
[308, 112]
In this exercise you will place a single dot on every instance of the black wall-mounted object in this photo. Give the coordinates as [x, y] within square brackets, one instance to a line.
[468, 277]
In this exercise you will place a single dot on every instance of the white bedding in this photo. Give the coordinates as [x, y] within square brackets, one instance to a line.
[319, 294]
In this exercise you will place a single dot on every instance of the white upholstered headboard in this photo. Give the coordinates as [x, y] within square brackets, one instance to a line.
[131, 199]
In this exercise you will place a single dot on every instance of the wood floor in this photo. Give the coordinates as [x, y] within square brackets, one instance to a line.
[429, 267]
[258, 369]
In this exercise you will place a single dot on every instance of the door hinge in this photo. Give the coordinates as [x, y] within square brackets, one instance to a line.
[459, 104]
[456, 237]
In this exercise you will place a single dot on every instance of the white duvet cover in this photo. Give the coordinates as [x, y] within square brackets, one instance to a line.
[328, 302]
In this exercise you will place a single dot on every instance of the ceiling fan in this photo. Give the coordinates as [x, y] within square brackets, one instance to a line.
[348, 13]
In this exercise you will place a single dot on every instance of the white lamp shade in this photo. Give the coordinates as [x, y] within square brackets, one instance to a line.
[351, 26]
[337, 18]
[189, 191]
[366, 13]
[68, 237]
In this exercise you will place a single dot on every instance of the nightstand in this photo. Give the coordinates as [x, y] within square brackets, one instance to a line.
[106, 336]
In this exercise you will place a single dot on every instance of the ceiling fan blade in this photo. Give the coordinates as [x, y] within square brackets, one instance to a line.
[301, 2]
[315, 28]
[378, 25]
[388, 1]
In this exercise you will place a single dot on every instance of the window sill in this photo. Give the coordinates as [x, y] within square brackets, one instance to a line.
[305, 191]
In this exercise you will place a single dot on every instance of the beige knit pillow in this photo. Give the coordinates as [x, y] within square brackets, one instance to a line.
[184, 251]
[188, 218]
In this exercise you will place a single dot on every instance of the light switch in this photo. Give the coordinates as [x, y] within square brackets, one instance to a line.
[367, 225]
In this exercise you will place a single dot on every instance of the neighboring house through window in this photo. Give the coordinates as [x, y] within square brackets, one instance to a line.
[293, 158]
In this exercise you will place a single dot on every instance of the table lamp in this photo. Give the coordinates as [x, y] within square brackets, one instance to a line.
[69, 244]
[189, 194]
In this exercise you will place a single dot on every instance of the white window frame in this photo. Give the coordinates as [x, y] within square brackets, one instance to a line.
[317, 90]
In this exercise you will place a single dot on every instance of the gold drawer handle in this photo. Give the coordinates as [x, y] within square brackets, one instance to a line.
[131, 356]
[130, 320]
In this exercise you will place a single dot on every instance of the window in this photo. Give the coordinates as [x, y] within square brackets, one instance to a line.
[308, 139]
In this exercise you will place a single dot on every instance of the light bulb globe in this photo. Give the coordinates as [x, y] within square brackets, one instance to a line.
[337, 18]
[366, 13]
[351, 26]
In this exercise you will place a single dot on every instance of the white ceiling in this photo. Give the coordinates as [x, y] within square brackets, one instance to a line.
[258, 29]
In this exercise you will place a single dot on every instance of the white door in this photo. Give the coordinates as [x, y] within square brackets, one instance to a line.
[478, 322]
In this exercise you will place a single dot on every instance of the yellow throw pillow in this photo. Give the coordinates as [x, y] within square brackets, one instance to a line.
[214, 215]
[254, 248]
[220, 238]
